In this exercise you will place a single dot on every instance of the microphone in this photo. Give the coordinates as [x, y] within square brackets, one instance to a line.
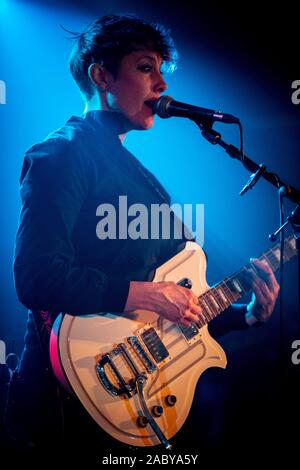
[166, 107]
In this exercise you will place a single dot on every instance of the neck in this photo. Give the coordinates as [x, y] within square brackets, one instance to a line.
[98, 103]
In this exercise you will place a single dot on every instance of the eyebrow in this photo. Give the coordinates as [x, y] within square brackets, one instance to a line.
[148, 57]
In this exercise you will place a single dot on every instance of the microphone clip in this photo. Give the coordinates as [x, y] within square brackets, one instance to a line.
[205, 126]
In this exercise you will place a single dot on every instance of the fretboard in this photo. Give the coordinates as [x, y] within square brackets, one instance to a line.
[225, 293]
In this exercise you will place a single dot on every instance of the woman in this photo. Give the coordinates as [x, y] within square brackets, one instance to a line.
[61, 265]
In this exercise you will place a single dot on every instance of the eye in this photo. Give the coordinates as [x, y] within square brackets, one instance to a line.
[146, 68]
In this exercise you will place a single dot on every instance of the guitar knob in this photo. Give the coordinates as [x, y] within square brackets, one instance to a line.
[170, 400]
[142, 421]
[157, 410]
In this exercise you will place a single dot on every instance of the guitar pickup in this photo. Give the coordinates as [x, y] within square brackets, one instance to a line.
[143, 356]
[188, 331]
[155, 345]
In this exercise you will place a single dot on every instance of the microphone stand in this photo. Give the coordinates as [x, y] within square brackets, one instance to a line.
[284, 190]
[294, 220]
[214, 138]
[258, 171]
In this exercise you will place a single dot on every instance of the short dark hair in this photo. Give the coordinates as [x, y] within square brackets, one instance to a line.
[108, 39]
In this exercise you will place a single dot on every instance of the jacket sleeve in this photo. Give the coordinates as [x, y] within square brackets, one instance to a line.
[54, 184]
[233, 318]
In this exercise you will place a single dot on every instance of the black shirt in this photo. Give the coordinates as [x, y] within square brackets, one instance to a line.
[60, 264]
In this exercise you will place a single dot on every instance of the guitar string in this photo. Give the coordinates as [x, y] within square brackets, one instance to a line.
[264, 257]
[117, 359]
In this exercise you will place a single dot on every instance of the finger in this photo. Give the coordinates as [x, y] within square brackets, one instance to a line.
[199, 312]
[194, 297]
[262, 265]
[189, 316]
[185, 322]
[260, 300]
[188, 322]
[265, 272]
[262, 294]
[269, 295]
[270, 281]
[195, 308]
[262, 285]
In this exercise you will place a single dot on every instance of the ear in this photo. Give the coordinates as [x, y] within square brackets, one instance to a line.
[99, 76]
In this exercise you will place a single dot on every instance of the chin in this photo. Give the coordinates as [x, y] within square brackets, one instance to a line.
[147, 123]
[143, 123]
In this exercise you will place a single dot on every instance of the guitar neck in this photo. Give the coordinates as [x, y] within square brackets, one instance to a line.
[225, 293]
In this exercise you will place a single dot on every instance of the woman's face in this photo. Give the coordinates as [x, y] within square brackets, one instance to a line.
[139, 79]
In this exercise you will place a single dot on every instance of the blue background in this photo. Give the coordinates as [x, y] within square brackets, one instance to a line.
[234, 59]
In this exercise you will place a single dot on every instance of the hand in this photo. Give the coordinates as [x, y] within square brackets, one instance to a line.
[266, 289]
[173, 302]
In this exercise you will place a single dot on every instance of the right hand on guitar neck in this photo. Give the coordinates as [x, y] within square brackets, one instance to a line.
[168, 299]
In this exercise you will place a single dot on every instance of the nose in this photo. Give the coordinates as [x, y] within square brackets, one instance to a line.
[160, 85]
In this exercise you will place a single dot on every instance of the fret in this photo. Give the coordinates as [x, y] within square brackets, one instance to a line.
[292, 243]
[228, 291]
[214, 306]
[288, 250]
[211, 307]
[213, 311]
[204, 304]
[230, 294]
[225, 292]
[206, 316]
[276, 254]
[214, 301]
[265, 260]
[201, 320]
[243, 277]
[220, 296]
[236, 286]
[272, 260]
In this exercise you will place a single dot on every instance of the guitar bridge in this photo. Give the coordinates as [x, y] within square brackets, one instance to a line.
[117, 372]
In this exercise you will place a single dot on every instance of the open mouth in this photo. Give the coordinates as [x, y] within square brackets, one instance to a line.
[148, 108]
[150, 103]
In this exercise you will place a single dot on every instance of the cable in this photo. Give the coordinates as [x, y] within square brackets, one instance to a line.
[242, 143]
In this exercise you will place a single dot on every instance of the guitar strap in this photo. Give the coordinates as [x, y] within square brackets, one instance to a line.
[43, 321]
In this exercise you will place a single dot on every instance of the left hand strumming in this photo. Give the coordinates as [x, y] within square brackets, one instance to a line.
[265, 291]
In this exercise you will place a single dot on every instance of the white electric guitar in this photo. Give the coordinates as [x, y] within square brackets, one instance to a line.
[136, 373]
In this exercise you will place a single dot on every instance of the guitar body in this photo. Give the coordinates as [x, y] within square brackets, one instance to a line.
[83, 348]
